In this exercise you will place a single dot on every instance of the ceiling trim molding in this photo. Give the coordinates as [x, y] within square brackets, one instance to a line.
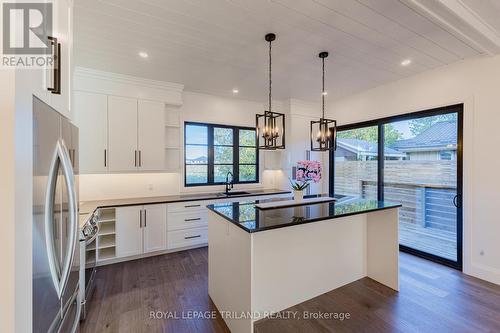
[451, 16]
[97, 81]
[103, 75]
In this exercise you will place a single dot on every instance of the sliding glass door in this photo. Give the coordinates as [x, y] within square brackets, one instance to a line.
[414, 159]
[356, 162]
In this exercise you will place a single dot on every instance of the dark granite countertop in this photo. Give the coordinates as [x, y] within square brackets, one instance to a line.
[87, 208]
[245, 215]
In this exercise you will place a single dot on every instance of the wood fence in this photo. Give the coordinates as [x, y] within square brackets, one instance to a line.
[425, 188]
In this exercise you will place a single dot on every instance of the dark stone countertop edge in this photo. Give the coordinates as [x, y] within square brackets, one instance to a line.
[291, 224]
[169, 199]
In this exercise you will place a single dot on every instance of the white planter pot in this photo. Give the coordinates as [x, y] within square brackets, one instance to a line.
[298, 195]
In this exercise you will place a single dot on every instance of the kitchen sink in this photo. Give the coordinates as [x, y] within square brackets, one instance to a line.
[232, 193]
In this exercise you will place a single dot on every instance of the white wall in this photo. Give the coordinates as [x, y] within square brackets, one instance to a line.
[476, 83]
[196, 107]
[7, 174]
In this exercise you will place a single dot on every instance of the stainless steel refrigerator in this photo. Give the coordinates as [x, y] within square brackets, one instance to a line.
[56, 260]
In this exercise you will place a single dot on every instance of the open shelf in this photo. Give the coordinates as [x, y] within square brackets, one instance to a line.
[107, 228]
[90, 257]
[108, 253]
[106, 238]
[172, 117]
[106, 241]
[106, 214]
[91, 246]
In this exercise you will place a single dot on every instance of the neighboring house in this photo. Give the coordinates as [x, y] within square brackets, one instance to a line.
[438, 142]
[361, 150]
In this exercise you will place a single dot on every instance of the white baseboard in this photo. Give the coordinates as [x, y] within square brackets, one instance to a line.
[486, 273]
[147, 255]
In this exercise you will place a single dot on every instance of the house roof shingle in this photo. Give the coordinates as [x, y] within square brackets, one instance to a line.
[365, 147]
[441, 134]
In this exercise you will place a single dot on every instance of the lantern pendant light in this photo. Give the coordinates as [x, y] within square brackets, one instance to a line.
[324, 131]
[270, 126]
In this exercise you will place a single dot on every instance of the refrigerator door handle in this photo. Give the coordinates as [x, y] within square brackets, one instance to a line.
[59, 274]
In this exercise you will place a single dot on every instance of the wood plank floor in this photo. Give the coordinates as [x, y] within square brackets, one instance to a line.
[433, 298]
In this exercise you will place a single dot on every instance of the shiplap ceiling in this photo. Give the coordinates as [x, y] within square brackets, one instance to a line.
[213, 46]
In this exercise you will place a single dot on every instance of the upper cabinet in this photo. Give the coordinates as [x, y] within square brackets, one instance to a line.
[127, 124]
[62, 30]
[151, 135]
[122, 134]
[92, 120]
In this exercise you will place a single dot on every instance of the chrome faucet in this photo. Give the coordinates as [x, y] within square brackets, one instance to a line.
[229, 184]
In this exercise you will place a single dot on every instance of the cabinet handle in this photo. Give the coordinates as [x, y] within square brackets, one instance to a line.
[105, 158]
[135, 158]
[193, 219]
[145, 218]
[56, 71]
[191, 206]
[140, 158]
[140, 219]
[191, 237]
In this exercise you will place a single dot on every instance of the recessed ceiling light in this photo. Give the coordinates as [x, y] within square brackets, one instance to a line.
[406, 62]
[143, 54]
[235, 91]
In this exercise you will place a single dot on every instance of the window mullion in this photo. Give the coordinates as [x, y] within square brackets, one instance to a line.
[210, 154]
[236, 154]
[380, 164]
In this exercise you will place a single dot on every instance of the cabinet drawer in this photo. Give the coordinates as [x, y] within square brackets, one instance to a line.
[188, 237]
[187, 220]
[188, 206]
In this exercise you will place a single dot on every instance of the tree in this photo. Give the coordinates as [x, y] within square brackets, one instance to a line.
[370, 134]
[418, 126]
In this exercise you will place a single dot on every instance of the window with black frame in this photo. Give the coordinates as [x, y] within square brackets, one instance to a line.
[212, 151]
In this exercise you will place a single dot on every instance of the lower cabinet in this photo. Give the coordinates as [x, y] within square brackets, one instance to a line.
[187, 237]
[158, 227]
[140, 229]
[155, 228]
[187, 224]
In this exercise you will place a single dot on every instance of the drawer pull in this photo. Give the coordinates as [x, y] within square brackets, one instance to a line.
[191, 206]
[191, 237]
[194, 219]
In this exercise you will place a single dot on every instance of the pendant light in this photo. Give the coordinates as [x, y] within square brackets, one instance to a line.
[324, 131]
[270, 126]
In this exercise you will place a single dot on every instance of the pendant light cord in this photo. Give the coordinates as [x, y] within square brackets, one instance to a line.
[323, 92]
[270, 77]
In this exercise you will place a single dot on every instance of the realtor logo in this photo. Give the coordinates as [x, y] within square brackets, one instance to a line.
[26, 28]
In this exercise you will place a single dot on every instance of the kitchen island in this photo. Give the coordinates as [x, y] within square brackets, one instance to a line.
[265, 261]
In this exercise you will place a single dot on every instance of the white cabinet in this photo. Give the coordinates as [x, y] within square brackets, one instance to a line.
[187, 237]
[155, 228]
[63, 31]
[187, 224]
[141, 229]
[151, 135]
[122, 134]
[91, 116]
[128, 228]
[41, 80]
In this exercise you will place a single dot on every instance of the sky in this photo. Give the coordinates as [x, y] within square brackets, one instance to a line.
[404, 128]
